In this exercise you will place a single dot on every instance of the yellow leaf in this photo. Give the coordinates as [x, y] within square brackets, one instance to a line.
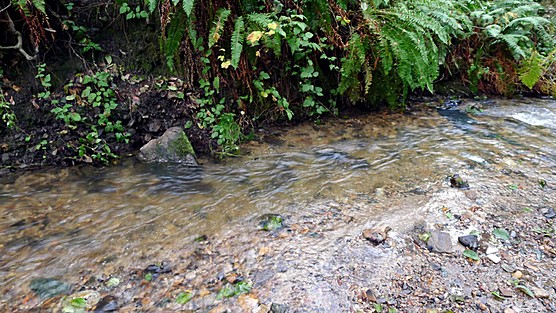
[270, 32]
[216, 36]
[272, 25]
[254, 36]
[226, 64]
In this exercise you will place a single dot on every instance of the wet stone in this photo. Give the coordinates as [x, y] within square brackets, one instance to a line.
[469, 241]
[376, 235]
[440, 242]
[548, 213]
[49, 287]
[278, 308]
[270, 222]
[457, 182]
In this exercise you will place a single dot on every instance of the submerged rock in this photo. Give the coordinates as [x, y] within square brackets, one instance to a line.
[107, 304]
[271, 222]
[172, 146]
[49, 287]
[457, 182]
[548, 213]
[440, 242]
[376, 235]
[278, 308]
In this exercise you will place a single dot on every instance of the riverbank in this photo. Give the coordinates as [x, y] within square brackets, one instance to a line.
[174, 240]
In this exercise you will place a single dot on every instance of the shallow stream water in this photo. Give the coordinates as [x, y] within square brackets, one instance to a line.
[66, 222]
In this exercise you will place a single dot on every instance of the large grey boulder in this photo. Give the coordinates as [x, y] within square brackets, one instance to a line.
[172, 146]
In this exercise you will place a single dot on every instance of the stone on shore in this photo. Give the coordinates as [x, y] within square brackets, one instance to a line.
[172, 146]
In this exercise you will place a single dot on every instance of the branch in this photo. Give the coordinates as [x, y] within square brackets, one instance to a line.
[19, 45]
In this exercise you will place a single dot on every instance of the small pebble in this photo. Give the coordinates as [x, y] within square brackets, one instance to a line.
[517, 275]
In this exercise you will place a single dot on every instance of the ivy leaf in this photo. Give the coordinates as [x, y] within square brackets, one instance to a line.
[237, 42]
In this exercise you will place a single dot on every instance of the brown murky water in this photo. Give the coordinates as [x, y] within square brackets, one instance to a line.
[374, 169]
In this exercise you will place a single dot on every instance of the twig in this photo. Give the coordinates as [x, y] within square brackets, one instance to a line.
[19, 45]
[4, 9]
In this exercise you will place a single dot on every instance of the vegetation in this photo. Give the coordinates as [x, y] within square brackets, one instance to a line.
[251, 62]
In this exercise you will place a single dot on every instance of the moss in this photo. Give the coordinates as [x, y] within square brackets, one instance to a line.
[182, 146]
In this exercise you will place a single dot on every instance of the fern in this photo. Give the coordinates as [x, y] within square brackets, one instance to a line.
[188, 6]
[531, 70]
[261, 20]
[151, 5]
[237, 42]
[40, 5]
[216, 31]
[173, 39]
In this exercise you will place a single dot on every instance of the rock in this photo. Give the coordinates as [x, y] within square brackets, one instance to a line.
[517, 275]
[376, 235]
[494, 258]
[107, 304]
[508, 268]
[548, 213]
[506, 292]
[491, 250]
[540, 293]
[248, 302]
[79, 301]
[270, 222]
[172, 146]
[457, 182]
[509, 310]
[469, 241]
[278, 308]
[49, 287]
[440, 242]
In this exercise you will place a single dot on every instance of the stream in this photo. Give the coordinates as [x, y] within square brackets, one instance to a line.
[83, 225]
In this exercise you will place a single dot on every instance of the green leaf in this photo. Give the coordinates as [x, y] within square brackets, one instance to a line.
[498, 296]
[501, 233]
[188, 6]
[525, 290]
[237, 42]
[78, 302]
[184, 297]
[471, 254]
[149, 277]
[230, 290]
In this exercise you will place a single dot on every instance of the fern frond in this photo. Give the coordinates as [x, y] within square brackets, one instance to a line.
[237, 42]
[173, 38]
[151, 5]
[260, 19]
[515, 42]
[40, 5]
[531, 70]
[188, 6]
[216, 31]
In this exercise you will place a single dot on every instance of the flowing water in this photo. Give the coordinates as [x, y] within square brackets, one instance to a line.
[369, 169]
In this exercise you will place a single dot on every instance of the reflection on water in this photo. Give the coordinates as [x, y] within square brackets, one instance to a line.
[59, 222]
